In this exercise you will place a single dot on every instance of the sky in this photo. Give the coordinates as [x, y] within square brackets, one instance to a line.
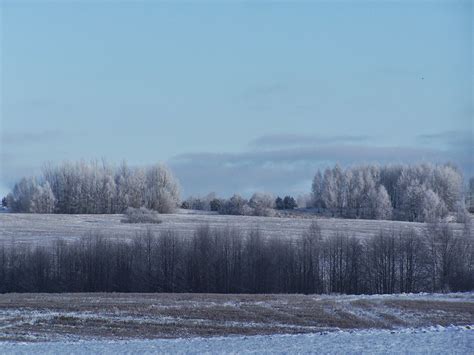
[235, 96]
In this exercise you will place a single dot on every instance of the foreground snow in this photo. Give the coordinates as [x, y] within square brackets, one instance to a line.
[433, 340]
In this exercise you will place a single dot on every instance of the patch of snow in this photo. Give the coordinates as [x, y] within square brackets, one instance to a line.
[433, 340]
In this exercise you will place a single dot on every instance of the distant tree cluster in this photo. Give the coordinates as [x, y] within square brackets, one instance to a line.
[226, 260]
[287, 203]
[260, 204]
[206, 203]
[419, 193]
[470, 196]
[77, 188]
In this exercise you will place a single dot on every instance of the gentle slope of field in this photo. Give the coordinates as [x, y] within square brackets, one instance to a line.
[67, 317]
[45, 228]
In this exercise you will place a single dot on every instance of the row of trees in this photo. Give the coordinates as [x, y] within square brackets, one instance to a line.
[95, 188]
[260, 204]
[286, 203]
[470, 196]
[420, 193]
[414, 193]
[227, 261]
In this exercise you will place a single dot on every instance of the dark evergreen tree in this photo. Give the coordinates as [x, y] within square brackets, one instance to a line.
[289, 203]
[279, 204]
[215, 204]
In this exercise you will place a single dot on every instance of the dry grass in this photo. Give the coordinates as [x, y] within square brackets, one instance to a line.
[33, 317]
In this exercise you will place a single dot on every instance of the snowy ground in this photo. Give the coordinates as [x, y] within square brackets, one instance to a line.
[197, 323]
[44, 228]
[432, 340]
[116, 316]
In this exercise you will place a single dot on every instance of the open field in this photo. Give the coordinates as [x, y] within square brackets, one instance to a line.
[31, 228]
[71, 317]
[432, 340]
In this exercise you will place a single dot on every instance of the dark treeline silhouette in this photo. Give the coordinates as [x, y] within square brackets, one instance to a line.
[227, 261]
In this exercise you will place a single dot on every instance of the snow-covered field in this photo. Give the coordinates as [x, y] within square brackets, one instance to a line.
[118, 316]
[44, 228]
[431, 340]
[210, 323]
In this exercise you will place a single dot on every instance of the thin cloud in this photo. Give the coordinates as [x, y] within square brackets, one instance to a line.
[287, 170]
[280, 140]
[340, 153]
[22, 138]
[456, 139]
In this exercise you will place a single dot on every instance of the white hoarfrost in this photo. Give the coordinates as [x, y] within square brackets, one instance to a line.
[44, 228]
[432, 340]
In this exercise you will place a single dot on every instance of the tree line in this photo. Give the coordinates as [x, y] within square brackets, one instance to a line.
[225, 260]
[259, 204]
[422, 192]
[470, 196]
[95, 188]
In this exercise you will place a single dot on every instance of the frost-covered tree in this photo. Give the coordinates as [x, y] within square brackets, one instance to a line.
[43, 199]
[367, 195]
[341, 188]
[412, 201]
[433, 208]
[389, 176]
[236, 205]
[316, 189]
[123, 177]
[263, 204]
[95, 187]
[329, 193]
[470, 195]
[137, 188]
[382, 207]
[305, 200]
[30, 197]
[162, 190]
[447, 182]
[355, 188]
[353, 192]
[19, 200]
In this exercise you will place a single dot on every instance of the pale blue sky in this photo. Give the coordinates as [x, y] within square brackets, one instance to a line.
[235, 96]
